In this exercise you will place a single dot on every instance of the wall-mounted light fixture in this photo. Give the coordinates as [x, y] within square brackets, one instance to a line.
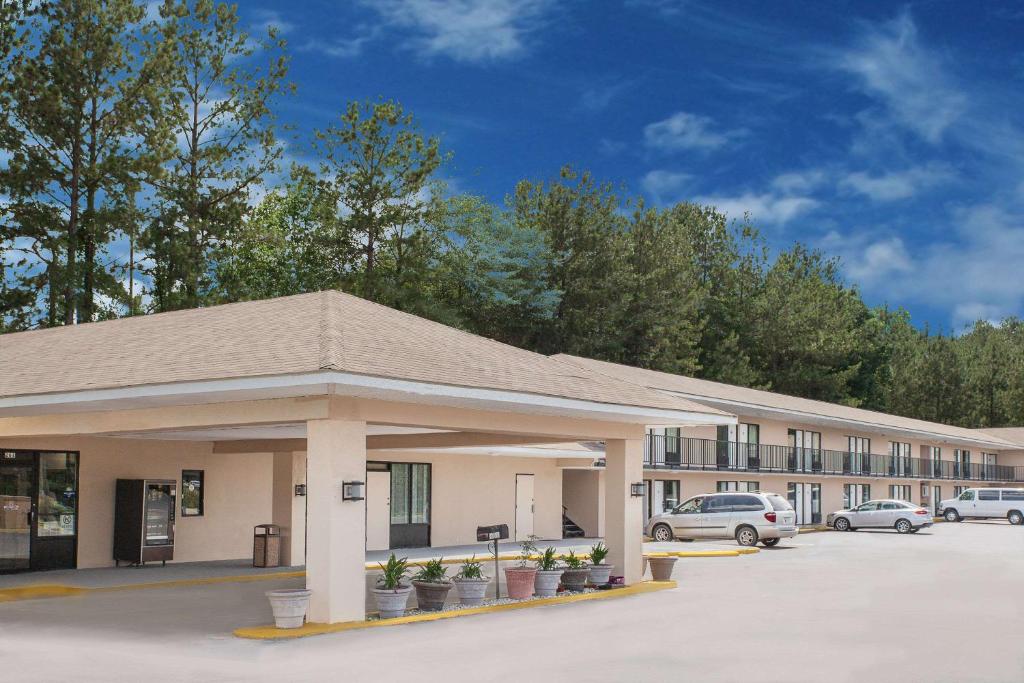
[352, 490]
[300, 489]
[636, 489]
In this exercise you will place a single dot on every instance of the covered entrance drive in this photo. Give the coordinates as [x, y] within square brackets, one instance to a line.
[311, 390]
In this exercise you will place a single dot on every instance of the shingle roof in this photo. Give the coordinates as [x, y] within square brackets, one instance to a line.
[1012, 434]
[702, 389]
[290, 335]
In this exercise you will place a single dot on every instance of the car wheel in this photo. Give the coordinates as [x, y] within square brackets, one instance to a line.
[952, 515]
[1015, 517]
[904, 526]
[746, 535]
[842, 524]
[769, 542]
[662, 533]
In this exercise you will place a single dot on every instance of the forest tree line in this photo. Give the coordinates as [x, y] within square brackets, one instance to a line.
[143, 169]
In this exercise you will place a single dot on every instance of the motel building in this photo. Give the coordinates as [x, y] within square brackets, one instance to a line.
[355, 427]
[822, 456]
[351, 425]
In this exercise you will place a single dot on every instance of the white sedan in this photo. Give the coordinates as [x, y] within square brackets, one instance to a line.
[900, 515]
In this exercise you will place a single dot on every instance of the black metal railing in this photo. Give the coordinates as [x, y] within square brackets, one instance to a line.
[688, 453]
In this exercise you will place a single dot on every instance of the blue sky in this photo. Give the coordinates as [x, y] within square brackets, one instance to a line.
[889, 135]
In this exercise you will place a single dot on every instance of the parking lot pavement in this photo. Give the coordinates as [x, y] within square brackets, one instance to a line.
[941, 605]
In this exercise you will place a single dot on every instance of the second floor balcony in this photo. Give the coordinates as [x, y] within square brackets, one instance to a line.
[687, 453]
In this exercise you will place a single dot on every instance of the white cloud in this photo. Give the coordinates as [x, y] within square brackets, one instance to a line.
[896, 184]
[598, 97]
[890, 64]
[342, 48]
[973, 272]
[666, 187]
[268, 19]
[799, 181]
[686, 131]
[466, 30]
[766, 207]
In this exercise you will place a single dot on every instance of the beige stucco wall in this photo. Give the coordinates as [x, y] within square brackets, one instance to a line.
[583, 496]
[472, 490]
[237, 497]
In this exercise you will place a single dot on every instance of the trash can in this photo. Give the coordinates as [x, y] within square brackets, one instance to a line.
[266, 545]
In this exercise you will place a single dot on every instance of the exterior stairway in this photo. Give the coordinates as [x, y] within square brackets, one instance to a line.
[569, 528]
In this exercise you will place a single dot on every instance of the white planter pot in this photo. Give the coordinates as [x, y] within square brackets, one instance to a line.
[289, 606]
[547, 582]
[391, 603]
[471, 591]
[600, 573]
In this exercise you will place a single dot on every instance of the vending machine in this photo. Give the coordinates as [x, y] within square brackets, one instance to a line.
[144, 520]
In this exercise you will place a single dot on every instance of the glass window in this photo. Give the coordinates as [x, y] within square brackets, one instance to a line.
[988, 494]
[890, 506]
[192, 493]
[779, 504]
[399, 493]
[720, 503]
[670, 493]
[867, 507]
[690, 507]
[420, 493]
[1013, 494]
[58, 499]
[967, 495]
[746, 503]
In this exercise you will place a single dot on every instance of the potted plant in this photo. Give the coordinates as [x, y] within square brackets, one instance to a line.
[600, 572]
[661, 566]
[391, 594]
[520, 579]
[471, 583]
[548, 574]
[574, 577]
[289, 606]
[432, 585]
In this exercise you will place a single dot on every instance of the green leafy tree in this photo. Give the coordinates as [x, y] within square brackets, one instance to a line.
[77, 97]
[382, 167]
[217, 105]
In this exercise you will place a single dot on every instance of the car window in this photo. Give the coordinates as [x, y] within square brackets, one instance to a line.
[1013, 494]
[890, 506]
[866, 507]
[967, 495]
[746, 504]
[719, 503]
[988, 494]
[689, 507]
[778, 503]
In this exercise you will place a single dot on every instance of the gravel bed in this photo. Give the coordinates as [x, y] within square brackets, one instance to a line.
[458, 607]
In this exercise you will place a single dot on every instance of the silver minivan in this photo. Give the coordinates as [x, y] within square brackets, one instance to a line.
[748, 517]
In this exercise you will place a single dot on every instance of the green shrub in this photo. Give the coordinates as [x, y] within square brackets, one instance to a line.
[528, 550]
[573, 562]
[547, 561]
[393, 572]
[471, 569]
[598, 553]
[432, 572]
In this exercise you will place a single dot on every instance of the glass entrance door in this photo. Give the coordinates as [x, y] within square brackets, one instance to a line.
[17, 490]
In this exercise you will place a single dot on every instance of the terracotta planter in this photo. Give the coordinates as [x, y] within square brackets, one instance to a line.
[472, 591]
[519, 582]
[661, 568]
[289, 606]
[391, 602]
[575, 579]
[547, 582]
[601, 573]
[430, 597]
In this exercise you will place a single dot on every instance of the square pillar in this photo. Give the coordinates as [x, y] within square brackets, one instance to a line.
[289, 510]
[623, 528]
[335, 528]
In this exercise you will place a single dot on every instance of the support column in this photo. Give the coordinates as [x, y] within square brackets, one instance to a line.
[336, 529]
[289, 510]
[623, 530]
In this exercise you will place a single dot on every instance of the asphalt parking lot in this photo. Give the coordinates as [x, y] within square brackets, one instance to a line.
[942, 605]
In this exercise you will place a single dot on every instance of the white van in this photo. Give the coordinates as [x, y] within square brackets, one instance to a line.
[986, 503]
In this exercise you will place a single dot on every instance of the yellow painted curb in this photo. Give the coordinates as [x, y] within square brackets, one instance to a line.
[39, 591]
[704, 553]
[272, 633]
[813, 529]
